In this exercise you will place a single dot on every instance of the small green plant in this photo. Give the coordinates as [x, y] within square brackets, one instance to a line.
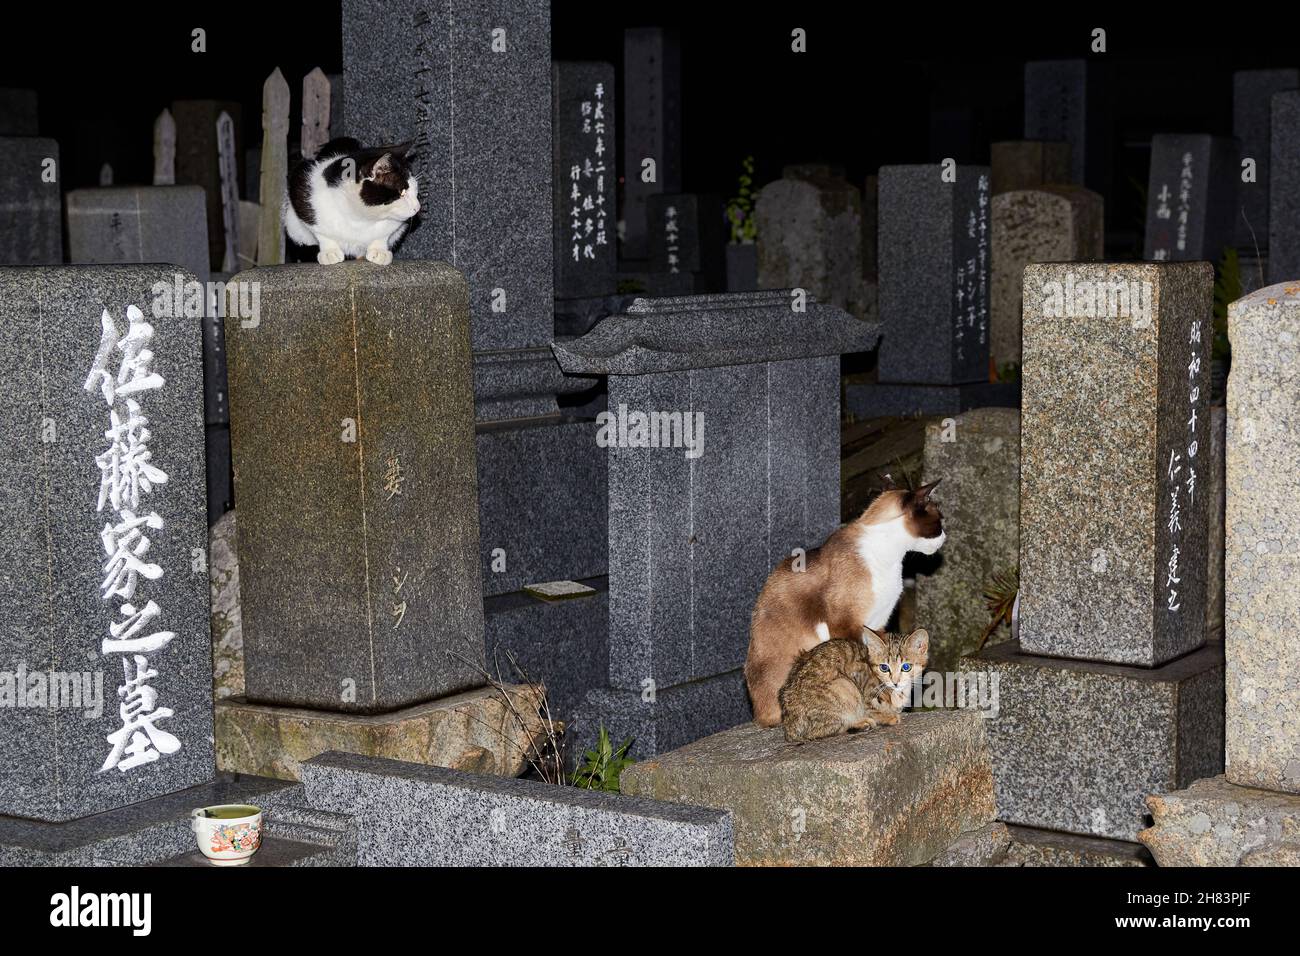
[1000, 596]
[1009, 372]
[740, 207]
[631, 287]
[1227, 289]
[603, 765]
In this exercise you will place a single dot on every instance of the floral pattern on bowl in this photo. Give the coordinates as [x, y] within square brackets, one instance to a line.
[237, 838]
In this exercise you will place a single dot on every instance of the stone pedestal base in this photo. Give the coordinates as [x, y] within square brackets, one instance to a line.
[1078, 745]
[874, 399]
[892, 796]
[1216, 823]
[470, 731]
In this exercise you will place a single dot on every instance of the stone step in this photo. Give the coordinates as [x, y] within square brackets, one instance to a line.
[1217, 823]
[1031, 846]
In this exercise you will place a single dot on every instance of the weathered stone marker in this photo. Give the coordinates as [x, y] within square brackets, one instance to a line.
[1028, 164]
[164, 149]
[652, 128]
[198, 159]
[31, 211]
[1115, 460]
[585, 178]
[687, 233]
[1190, 197]
[1262, 560]
[105, 657]
[1284, 189]
[1252, 94]
[1067, 100]
[315, 112]
[1043, 224]
[275, 169]
[229, 192]
[353, 446]
[139, 224]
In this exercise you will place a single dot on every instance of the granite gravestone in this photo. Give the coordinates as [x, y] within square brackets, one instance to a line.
[1262, 608]
[1046, 224]
[1284, 189]
[1068, 101]
[198, 160]
[934, 274]
[353, 446]
[470, 85]
[585, 177]
[105, 657]
[1025, 164]
[31, 211]
[140, 224]
[810, 236]
[1252, 93]
[18, 112]
[652, 128]
[1114, 459]
[687, 234]
[1190, 196]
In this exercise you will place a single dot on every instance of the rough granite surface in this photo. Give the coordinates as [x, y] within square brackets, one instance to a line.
[412, 815]
[891, 796]
[140, 224]
[1077, 746]
[227, 624]
[1262, 556]
[1217, 823]
[1033, 847]
[1028, 164]
[986, 846]
[1114, 404]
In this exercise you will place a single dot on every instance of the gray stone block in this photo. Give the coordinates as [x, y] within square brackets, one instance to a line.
[1262, 559]
[143, 833]
[82, 575]
[1045, 224]
[1115, 460]
[481, 123]
[1068, 100]
[1077, 746]
[742, 267]
[1191, 197]
[934, 275]
[874, 399]
[140, 224]
[413, 815]
[585, 178]
[977, 456]
[986, 846]
[1252, 93]
[352, 431]
[198, 160]
[1284, 189]
[1215, 823]
[31, 209]
[1028, 164]
[652, 127]
[18, 112]
[688, 234]
[546, 521]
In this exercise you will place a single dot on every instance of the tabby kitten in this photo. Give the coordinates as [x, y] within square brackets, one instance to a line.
[846, 686]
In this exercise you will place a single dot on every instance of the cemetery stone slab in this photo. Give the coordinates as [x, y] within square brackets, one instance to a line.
[1284, 189]
[1262, 557]
[140, 224]
[1077, 746]
[892, 796]
[1026, 164]
[101, 488]
[1191, 197]
[1252, 94]
[688, 234]
[652, 127]
[353, 440]
[31, 209]
[1067, 100]
[586, 174]
[413, 815]
[934, 275]
[197, 161]
[1115, 460]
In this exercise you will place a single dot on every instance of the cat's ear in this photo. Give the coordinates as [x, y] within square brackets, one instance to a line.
[383, 165]
[922, 494]
[916, 647]
[877, 644]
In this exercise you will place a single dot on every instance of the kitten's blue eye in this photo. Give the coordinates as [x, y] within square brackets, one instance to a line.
[907, 667]
[885, 668]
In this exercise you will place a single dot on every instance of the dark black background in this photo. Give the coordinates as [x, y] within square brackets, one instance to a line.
[866, 93]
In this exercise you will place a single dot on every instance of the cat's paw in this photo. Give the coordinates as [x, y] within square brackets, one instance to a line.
[328, 257]
[379, 255]
[887, 719]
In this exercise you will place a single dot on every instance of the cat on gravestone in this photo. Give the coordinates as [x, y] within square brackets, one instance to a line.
[351, 201]
[851, 685]
[852, 581]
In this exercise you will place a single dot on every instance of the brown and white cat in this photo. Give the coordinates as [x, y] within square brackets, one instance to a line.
[843, 686]
[850, 582]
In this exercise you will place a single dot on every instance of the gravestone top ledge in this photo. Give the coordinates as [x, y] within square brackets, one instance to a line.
[707, 331]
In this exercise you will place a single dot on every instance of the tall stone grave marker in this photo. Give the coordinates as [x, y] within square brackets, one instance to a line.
[104, 643]
[1109, 575]
[1284, 189]
[353, 441]
[586, 174]
[1044, 224]
[1252, 94]
[275, 169]
[315, 113]
[687, 235]
[31, 209]
[652, 128]
[1262, 559]
[1067, 101]
[164, 149]
[1190, 196]
[229, 192]
[198, 160]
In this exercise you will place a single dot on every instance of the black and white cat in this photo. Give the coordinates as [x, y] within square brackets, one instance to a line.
[351, 201]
